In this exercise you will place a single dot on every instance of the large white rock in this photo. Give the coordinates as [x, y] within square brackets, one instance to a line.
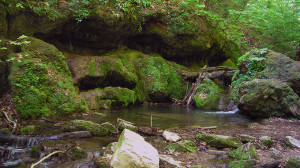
[132, 151]
[294, 142]
[171, 136]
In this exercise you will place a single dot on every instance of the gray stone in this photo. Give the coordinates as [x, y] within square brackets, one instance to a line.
[133, 151]
[171, 136]
[123, 124]
[294, 142]
[170, 161]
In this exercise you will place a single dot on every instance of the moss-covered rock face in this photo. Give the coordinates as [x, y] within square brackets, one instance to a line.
[109, 97]
[219, 141]
[99, 26]
[183, 146]
[41, 82]
[90, 72]
[82, 125]
[267, 84]
[161, 83]
[208, 95]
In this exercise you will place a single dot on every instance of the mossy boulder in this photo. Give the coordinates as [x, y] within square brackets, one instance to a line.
[123, 124]
[109, 97]
[219, 141]
[245, 152]
[208, 95]
[82, 125]
[30, 129]
[292, 163]
[41, 82]
[267, 84]
[242, 164]
[77, 153]
[266, 98]
[183, 146]
[111, 128]
[161, 83]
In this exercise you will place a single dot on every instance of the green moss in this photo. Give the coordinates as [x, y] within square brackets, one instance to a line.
[28, 130]
[160, 79]
[5, 130]
[183, 146]
[245, 152]
[111, 128]
[292, 163]
[35, 151]
[268, 142]
[220, 142]
[77, 153]
[102, 162]
[92, 68]
[208, 95]
[229, 63]
[82, 125]
[41, 82]
[241, 164]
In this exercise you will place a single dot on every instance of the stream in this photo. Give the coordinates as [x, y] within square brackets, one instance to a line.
[164, 117]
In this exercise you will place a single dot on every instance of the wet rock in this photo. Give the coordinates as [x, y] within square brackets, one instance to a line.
[242, 164]
[267, 141]
[75, 135]
[133, 151]
[219, 141]
[123, 124]
[183, 146]
[82, 125]
[30, 129]
[246, 138]
[171, 136]
[292, 163]
[292, 142]
[149, 131]
[111, 128]
[267, 84]
[245, 152]
[167, 160]
[208, 95]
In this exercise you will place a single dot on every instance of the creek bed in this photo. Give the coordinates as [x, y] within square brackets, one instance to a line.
[164, 117]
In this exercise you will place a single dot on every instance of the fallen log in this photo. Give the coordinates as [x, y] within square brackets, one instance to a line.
[189, 98]
[211, 73]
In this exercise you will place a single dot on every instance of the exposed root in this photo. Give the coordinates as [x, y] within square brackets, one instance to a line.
[10, 122]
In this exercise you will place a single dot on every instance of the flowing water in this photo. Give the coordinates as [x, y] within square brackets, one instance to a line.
[162, 116]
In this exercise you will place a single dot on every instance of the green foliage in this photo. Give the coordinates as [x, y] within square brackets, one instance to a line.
[255, 62]
[183, 146]
[272, 24]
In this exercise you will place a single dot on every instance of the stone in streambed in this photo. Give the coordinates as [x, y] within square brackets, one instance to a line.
[111, 128]
[245, 152]
[219, 141]
[82, 125]
[171, 136]
[292, 142]
[133, 151]
[183, 146]
[123, 124]
[267, 141]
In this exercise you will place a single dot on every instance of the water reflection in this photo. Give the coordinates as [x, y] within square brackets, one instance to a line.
[173, 116]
